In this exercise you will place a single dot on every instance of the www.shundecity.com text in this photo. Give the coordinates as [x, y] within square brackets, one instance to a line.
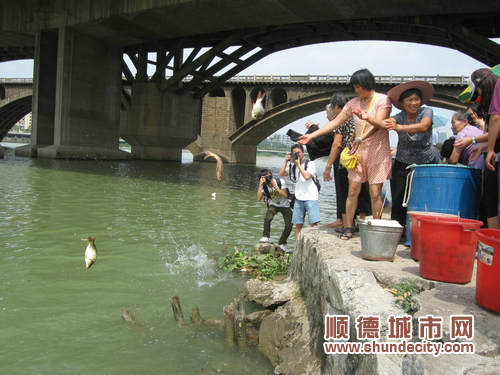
[399, 335]
[375, 347]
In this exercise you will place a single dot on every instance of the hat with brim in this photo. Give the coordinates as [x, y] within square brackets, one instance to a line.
[425, 88]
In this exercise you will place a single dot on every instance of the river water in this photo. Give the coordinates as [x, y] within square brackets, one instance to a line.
[156, 225]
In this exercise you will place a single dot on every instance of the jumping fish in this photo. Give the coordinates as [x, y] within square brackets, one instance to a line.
[258, 109]
[90, 253]
[218, 170]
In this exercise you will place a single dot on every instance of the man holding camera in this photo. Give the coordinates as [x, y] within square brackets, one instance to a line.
[303, 173]
[275, 194]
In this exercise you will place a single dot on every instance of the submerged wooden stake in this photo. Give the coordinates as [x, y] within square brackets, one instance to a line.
[196, 316]
[224, 250]
[229, 322]
[176, 307]
[240, 323]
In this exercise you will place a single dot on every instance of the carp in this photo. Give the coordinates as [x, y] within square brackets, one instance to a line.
[218, 169]
[90, 253]
[257, 108]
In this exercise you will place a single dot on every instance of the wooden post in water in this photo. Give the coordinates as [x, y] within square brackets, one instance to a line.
[240, 323]
[229, 323]
[196, 316]
[224, 249]
[176, 307]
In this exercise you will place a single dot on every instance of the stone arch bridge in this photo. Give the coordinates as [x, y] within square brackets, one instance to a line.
[226, 124]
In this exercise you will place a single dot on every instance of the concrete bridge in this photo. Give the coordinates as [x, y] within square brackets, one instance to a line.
[78, 48]
[226, 110]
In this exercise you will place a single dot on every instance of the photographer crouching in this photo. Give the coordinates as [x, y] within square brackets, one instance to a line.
[303, 173]
[275, 194]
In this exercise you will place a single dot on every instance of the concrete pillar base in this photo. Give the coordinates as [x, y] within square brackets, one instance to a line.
[195, 147]
[156, 153]
[30, 151]
[244, 154]
[84, 153]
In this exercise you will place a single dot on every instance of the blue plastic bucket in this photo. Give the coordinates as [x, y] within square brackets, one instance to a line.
[444, 189]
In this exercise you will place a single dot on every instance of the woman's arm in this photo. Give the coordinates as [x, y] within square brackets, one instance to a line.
[494, 130]
[334, 152]
[421, 127]
[455, 156]
[467, 141]
[378, 120]
[477, 151]
[334, 124]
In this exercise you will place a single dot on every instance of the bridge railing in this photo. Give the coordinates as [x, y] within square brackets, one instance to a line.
[16, 80]
[310, 78]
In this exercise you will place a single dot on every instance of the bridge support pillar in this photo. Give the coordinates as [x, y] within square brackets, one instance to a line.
[159, 125]
[218, 121]
[87, 97]
[44, 94]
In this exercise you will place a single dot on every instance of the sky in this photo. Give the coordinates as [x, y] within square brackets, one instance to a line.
[340, 58]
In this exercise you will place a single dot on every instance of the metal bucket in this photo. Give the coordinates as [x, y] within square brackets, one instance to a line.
[379, 239]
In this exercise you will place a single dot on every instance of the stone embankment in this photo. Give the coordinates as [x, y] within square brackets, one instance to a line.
[329, 277]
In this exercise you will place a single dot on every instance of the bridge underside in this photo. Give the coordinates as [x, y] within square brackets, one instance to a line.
[200, 44]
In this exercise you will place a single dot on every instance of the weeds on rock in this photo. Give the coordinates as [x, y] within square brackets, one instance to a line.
[406, 290]
[261, 267]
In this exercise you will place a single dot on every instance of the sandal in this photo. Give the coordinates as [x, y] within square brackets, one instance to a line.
[340, 230]
[348, 234]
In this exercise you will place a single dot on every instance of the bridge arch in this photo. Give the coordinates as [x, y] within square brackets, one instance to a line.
[217, 93]
[278, 96]
[12, 112]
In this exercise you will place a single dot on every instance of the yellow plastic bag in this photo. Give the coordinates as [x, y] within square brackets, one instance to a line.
[348, 161]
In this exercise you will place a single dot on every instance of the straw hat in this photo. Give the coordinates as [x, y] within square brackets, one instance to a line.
[425, 87]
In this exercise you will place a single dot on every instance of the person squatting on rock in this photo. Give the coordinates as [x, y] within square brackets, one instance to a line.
[303, 173]
[275, 194]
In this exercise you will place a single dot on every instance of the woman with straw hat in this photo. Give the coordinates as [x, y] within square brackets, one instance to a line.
[414, 127]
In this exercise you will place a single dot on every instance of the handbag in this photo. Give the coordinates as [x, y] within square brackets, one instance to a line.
[352, 161]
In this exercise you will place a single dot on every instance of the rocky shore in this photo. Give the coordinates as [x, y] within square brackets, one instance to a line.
[329, 277]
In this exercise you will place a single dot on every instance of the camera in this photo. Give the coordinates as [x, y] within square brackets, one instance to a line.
[269, 179]
[294, 155]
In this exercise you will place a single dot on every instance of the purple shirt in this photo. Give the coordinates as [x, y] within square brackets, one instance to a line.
[470, 131]
[495, 100]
